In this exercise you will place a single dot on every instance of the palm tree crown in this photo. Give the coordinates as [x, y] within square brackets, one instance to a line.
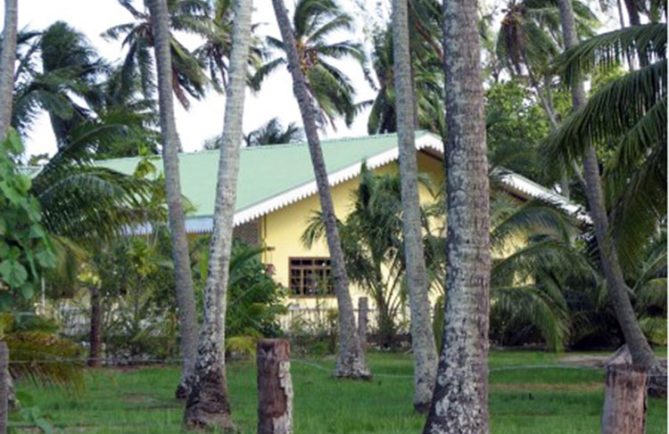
[188, 77]
[314, 23]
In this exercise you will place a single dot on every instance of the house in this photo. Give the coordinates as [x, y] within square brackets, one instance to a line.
[277, 193]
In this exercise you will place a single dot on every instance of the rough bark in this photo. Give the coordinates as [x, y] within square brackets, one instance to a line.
[642, 355]
[459, 404]
[4, 386]
[208, 404]
[363, 319]
[171, 145]
[351, 358]
[7, 60]
[624, 396]
[422, 336]
[95, 337]
[275, 387]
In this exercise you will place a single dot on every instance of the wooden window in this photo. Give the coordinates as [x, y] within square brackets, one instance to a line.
[310, 276]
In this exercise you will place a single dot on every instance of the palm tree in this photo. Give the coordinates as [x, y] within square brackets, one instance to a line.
[535, 262]
[373, 245]
[529, 39]
[632, 112]
[351, 359]
[428, 86]
[460, 397]
[270, 133]
[533, 244]
[627, 115]
[162, 44]
[208, 404]
[426, 58]
[422, 336]
[273, 133]
[7, 60]
[214, 53]
[314, 23]
[57, 69]
[188, 78]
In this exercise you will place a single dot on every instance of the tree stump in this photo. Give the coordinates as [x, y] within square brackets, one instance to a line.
[4, 386]
[363, 315]
[275, 387]
[624, 396]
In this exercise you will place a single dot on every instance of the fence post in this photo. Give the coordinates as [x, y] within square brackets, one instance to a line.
[275, 387]
[363, 312]
[624, 396]
[4, 386]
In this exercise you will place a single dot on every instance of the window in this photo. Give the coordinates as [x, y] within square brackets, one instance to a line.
[310, 276]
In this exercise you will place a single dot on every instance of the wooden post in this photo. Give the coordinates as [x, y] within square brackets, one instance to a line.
[4, 386]
[275, 387]
[624, 396]
[363, 314]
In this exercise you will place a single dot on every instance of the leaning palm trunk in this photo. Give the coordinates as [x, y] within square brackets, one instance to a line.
[7, 60]
[171, 144]
[422, 336]
[351, 358]
[459, 404]
[208, 404]
[642, 355]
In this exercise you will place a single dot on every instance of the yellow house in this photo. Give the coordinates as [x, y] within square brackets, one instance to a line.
[277, 193]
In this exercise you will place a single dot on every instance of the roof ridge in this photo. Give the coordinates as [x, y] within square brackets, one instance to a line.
[419, 133]
[323, 141]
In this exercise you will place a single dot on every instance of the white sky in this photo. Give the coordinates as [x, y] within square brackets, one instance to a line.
[204, 118]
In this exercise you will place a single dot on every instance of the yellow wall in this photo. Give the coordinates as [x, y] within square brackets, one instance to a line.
[281, 230]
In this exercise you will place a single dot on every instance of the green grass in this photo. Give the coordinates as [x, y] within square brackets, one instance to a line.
[527, 395]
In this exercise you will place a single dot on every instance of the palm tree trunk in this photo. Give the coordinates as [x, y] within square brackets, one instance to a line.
[171, 144]
[208, 404]
[7, 60]
[95, 338]
[642, 355]
[633, 12]
[351, 358]
[459, 404]
[422, 336]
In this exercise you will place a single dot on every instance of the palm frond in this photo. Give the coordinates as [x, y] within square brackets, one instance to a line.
[532, 305]
[613, 48]
[610, 113]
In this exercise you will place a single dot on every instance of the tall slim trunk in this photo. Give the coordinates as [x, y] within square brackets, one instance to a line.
[7, 60]
[642, 355]
[633, 12]
[422, 336]
[208, 404]
[171, 145]
[459, 404]
[351, 358]
[95, 337]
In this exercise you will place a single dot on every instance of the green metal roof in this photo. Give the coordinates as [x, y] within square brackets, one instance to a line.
[265, 171]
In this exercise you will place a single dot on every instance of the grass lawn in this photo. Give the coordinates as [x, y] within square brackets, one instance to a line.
[528, 394]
